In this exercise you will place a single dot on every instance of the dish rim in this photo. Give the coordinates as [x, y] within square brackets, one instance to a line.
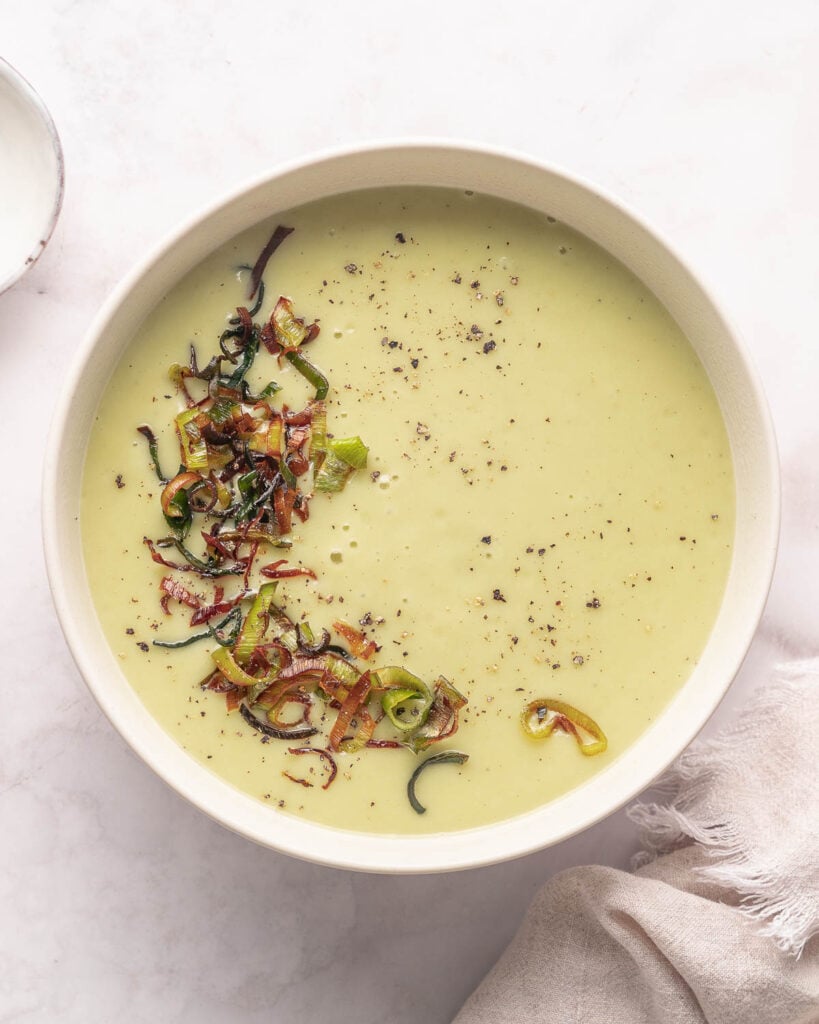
[26, 90]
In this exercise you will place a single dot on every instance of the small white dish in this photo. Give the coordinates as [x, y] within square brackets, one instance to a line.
[31, 175]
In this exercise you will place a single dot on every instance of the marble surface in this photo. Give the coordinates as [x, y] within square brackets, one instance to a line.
[121, 902]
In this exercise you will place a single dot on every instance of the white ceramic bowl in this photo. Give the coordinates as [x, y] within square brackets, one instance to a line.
[31, 176]
[607, 223]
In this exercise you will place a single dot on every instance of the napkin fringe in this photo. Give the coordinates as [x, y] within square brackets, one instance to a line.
[787, 913]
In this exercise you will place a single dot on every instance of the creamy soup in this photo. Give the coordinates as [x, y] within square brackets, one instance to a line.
[547, 509]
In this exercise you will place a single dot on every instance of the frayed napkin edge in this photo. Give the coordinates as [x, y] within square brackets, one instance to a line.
[772, 902]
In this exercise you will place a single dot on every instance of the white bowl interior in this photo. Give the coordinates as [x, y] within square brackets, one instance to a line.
[743, 407]
[31, 175]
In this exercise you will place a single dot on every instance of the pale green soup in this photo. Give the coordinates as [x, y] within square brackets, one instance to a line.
[548, 509]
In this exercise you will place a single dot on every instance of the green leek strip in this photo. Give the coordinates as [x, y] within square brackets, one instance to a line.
[542, 717]
[445, 757]
[179, 516]
[222, 410]
[255, 624]
[248, 355]
[342, 670]
[288, 475]
[259, 296]
[234, 616]
[194, 447]
[333, 474]
[407, 699]
[247, 489]
[234, 672]
[289, 329]
[344, 456]
[223, 495]
[312, 374]
[318, 427]
[210, 568]
[268, 391]
[177, 375]
[351, 450]
[267, 439]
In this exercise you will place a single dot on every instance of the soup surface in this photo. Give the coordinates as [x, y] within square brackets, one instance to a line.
[547, 511]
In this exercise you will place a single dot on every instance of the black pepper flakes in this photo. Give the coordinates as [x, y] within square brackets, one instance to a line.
[414, 364]
[399, 237]
[119, 481]
[143, 646]
[498, 596]
[594, 603]
[486, 540]
[475, 284]
[351, 268]
[488, 346]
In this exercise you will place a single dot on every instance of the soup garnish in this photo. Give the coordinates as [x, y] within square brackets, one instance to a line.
[247, 468]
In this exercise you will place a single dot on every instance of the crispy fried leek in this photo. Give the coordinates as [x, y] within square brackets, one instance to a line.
[249, 470]
[542, 717]
[445, 757]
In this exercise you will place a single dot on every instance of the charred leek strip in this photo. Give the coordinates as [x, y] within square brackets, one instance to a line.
[153, 450]
[260, 266]
[442, 720]
[299, 732]
[326, 757]
[445, 757]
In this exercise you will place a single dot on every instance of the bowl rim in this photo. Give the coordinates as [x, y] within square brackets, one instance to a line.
[375, 852]
[26, 90]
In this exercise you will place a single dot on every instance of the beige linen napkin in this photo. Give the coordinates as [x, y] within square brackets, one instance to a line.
[720, 921]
